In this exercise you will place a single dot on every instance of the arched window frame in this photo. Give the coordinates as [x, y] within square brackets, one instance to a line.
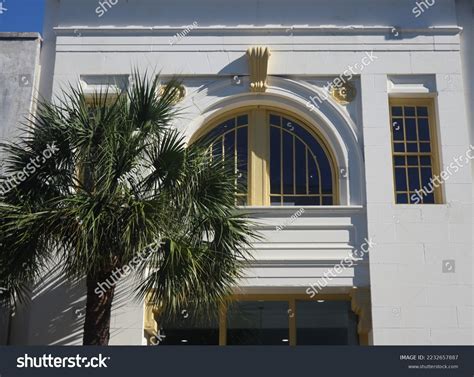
[259, 149]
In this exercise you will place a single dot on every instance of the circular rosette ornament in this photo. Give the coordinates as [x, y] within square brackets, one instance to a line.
[344, 93]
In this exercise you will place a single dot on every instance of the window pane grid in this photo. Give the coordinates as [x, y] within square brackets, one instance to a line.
[309, 184]
[412, 153]
[228, 133]
[300, 168]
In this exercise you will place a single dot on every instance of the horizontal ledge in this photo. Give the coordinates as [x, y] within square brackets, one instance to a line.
[19, 35]
[280, 285]
[302, 246]
[304, 263]
[303, 227]
[264, 210]
[327, 292]
[270, 28]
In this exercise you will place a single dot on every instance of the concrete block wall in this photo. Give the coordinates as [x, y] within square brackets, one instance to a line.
[19, 75]
[19, 78]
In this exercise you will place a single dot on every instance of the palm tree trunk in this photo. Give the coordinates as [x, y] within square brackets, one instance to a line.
[98, 309]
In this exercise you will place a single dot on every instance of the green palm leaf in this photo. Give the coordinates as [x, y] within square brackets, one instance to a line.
[121, 179]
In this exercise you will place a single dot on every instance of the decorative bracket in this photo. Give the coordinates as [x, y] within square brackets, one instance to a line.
[258, 64]
[361, 305]
[150, 326]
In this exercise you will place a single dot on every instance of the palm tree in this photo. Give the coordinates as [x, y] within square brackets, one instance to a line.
[96, 184]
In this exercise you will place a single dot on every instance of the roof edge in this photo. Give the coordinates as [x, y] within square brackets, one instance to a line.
[20, 35]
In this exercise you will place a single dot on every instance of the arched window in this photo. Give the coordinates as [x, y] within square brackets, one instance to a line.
[229, 140]
[300, 171]
[278, 159]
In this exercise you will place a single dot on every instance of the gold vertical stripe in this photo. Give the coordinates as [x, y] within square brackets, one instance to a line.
[406, 149]
[418, 157]
[292, 322]
[266, 158]
[393, 152]
[294, 164]
[236, 161]
[259, 170]
[281, 163]
[223, 325]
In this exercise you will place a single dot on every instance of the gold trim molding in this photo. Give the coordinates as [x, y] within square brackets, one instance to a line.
[150, 326]
[361, 305]
[258, 58]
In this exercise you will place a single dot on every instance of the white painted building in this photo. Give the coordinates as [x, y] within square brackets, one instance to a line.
[356, 157]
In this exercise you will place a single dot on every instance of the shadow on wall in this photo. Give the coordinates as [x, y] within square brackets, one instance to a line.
[238, 66]
[55, 314]
[126, 326]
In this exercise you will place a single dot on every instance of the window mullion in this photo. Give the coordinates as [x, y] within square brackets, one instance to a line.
[292, 319]
[259, 148]
[223, 325]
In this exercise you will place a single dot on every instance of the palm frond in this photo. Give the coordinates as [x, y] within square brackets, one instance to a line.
[122, 179]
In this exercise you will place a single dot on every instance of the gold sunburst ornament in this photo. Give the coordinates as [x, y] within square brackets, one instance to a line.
[344, 94]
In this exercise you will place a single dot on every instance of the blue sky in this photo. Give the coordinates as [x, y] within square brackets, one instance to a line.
[21, 15]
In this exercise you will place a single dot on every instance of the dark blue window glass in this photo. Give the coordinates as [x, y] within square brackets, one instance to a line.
[400, 179]
[423, 129]
[402, 198]
[399, 147]
[397, 111]
[411, 129]
[275, 160]
[413, 179]
[288, 163]
[409, 111]
[300, 167]
[422, 111]
[398, 129]
[242, 158]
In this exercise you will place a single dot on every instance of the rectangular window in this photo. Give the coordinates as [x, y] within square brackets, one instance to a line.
[258, 323]
[275, 320]
[190, 330]
[325, 323]
[415, 158]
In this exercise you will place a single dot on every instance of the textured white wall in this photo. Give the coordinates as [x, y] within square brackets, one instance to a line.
[414, 302]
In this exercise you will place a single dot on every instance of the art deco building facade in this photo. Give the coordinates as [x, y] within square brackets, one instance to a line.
[340, 116]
